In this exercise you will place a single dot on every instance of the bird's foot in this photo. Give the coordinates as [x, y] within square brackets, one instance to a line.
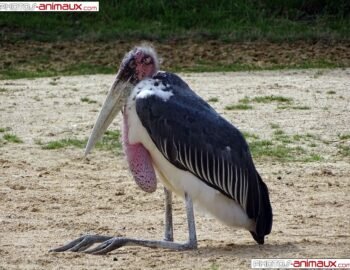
[108, 244]
[82, 243]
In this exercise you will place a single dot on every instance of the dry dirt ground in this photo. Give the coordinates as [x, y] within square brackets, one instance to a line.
[48, 197]
[72, 55]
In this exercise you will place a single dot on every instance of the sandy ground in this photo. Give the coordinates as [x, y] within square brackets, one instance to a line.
[48, 197]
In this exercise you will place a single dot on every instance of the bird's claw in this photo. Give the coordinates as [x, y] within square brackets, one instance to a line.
[107, 246]
[81, 244]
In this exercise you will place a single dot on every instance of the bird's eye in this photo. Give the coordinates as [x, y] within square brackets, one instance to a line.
[147, 60]
[132, 64]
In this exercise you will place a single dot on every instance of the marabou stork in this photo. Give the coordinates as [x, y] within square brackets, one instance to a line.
[198, 154]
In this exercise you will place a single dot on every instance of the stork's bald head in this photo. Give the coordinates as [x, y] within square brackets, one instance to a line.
[139, 63]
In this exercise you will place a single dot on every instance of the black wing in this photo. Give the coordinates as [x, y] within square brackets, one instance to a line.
[193, 137]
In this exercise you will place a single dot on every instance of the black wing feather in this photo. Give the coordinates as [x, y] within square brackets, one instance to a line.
[193, 137]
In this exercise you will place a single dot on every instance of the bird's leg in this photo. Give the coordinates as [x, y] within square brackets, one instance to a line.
[168, 236]
[192, 235]
[111, 243]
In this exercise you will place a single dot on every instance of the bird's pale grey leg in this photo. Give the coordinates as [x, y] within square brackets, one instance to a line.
[192, 235]
[111, 243]
[168, 236]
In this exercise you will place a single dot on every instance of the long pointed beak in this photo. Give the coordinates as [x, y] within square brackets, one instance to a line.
[114, 102]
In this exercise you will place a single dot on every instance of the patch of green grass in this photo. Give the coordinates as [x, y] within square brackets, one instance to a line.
[294, 107]
[312, 158]
[278, 132]
[109, 142]
[344, 136]
[248, 135]
[280, 136]
[244, 100]
[87, 100]
[331, 92]
[76, 69]
[213, 99]
[284, 139]
[297, 137]
[310, 136]
[238, 107]
[12, 74]
[2, 130]
[239, 21]
[305, 137]
[282, 147]
[281, 152]
[64, 143]
[266, 99]
[274, 126]
[265, 148]
[272, 98]
[312, 144]
[12, 138]
[3, 90]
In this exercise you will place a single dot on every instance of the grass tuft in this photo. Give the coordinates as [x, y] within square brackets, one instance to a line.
[294, 107]
[238, 107]
[64, 143]
[12, 138]
[272, 98]
[278, 132]
[282, 147]
[213, 99]
[274, 126]
[344, 136]
[313, 158]
[109, 142]
[248, 135]
[279, 152]
[244, 100]
[87, 100]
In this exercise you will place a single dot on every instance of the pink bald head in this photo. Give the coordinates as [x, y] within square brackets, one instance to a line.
[139, 63]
